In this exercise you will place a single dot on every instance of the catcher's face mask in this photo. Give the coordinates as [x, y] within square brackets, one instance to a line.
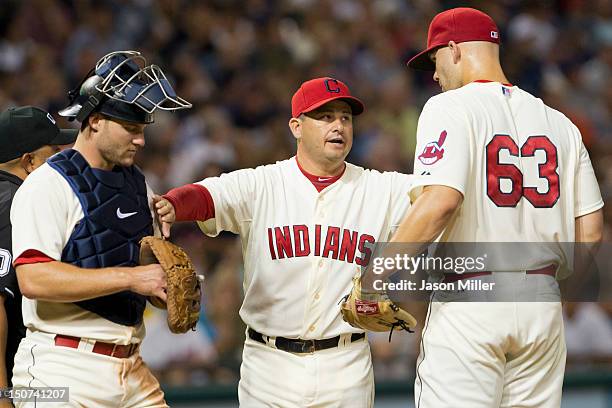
[124, 87]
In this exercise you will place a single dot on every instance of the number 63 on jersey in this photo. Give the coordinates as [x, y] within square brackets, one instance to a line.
[506, 182]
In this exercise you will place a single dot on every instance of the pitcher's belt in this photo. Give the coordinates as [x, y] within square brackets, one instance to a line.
[303, 346]
[549, 270]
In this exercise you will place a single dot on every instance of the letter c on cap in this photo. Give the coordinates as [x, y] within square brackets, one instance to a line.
[332, 85]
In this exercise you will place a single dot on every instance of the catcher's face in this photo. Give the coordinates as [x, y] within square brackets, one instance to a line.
[325, 134]
[118, 141]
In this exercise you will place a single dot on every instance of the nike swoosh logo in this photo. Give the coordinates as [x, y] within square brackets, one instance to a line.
[121, 215]
[325, 179]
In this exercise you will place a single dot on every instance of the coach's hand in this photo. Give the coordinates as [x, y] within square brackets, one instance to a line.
[165, 214]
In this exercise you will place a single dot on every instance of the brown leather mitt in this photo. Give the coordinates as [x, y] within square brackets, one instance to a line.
[183, 285]
[374, 311]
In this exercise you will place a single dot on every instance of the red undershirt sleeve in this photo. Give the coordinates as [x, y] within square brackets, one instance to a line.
[191, 202]
[31, 256]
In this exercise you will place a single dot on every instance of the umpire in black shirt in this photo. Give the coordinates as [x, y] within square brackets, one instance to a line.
[28, 137]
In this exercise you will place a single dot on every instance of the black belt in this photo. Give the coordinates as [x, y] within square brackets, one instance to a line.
[303, 346]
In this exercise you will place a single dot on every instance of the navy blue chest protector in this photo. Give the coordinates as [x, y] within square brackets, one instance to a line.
[116, 217]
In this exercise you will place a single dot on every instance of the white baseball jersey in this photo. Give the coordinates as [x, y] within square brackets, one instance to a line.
[521, 166]
[301, 248]
[45, 211]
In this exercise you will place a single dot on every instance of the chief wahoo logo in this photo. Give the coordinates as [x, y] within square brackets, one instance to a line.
[433, 151]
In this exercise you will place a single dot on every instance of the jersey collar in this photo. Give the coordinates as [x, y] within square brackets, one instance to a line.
[317, 181]
[484, 81]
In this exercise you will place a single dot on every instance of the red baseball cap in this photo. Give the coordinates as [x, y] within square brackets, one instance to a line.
[317, 92]
[460, 24]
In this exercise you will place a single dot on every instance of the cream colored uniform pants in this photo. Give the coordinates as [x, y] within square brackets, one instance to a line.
[93, 380]
[334, 378]
[493, 354]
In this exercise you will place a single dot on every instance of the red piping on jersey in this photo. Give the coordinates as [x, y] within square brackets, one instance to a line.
[484, 81]
[31, 256]
[315, 180]
[191, 202]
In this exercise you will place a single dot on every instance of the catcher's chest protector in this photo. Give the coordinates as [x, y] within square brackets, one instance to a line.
[116, 217]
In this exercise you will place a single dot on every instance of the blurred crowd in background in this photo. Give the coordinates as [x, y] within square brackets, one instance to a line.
[239, 62]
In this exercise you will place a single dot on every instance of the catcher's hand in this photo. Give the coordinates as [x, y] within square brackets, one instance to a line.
[183, 285]
[374, 311]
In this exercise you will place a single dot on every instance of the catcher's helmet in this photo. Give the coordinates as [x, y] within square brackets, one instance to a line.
[122, 86]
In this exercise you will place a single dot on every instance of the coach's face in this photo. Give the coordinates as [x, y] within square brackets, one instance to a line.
[448, 72]
[118, 141]
[325, 133]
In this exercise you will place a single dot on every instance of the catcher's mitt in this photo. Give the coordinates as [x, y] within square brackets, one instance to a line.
[183, 285]
[376, 313]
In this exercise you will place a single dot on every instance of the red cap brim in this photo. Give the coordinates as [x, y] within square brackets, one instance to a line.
[357, 107]
[422, 61]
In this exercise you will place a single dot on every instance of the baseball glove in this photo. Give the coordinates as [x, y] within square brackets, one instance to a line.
[374, 311]
[183, 285]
